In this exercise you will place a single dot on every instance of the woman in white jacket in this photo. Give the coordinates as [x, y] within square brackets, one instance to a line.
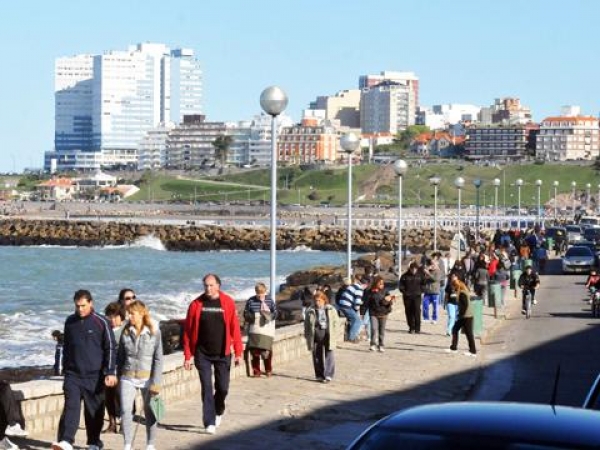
[140, 363]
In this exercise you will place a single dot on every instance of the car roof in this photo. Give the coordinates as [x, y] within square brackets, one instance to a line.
[513, 422]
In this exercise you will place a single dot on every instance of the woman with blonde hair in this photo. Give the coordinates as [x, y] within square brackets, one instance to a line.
[465, 318]
[259, 315]
[140, 363]
[321, 332]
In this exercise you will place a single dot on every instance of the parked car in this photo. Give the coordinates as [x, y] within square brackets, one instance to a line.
[578, 258]
[574, 234]
[592, 234]
[484, 425]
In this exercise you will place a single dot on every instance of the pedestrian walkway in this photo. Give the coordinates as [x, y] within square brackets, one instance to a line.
[293, 411]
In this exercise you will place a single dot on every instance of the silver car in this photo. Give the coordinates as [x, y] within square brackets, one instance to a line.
[578, 259]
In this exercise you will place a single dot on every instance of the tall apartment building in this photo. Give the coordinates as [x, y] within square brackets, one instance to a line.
[407, 78]
[190, 144]
[497, 141]
[388, 107]
[344, 107]
[308, 143]
[106, 103]
[568, 137]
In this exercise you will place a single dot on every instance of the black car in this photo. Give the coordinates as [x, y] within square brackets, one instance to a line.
[484, 425]
[592, 234]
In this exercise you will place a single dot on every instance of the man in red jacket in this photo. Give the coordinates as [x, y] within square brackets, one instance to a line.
[211, 328]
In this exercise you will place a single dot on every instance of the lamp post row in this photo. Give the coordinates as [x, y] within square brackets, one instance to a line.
[274, 100]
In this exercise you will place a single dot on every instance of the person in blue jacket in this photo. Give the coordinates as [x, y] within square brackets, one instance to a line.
[89, 364]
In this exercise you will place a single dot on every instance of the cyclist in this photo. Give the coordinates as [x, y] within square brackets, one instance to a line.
[592, 283]
[529, 281]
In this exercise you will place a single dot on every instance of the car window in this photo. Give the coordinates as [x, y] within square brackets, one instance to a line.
[578, 251]
[573, 229]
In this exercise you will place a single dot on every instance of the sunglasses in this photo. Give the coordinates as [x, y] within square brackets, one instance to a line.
[129, 298]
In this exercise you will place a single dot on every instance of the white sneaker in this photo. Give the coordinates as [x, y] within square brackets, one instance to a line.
[472, 355]
[328, 379]
[372, 348]
[6, 444]
[535, 302]
[211, 429]
[150, 447]
[381, 349]
[449, 350]
[15, 430]
[218, 420]
[127, 447]
[62, 445]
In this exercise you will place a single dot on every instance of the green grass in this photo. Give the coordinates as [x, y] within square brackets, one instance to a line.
[295, 185]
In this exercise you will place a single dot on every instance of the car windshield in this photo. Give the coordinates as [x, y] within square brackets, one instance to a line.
[578, 251]
[573, 229]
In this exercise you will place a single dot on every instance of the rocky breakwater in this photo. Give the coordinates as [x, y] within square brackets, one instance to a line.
[209, 237]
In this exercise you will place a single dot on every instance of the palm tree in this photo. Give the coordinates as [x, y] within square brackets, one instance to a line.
[221, 145]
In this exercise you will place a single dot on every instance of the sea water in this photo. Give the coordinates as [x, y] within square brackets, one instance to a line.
[38, 283]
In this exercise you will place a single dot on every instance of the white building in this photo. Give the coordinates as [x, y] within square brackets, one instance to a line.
[568, 137]
[252, 139]
[439, 117]
[119, 96]
[152, 147]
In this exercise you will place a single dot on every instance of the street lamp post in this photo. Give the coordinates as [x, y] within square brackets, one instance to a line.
[587, 196]
[435, 181]
[538, 183]
[496, 186]
[273, 101]
[349, 142]
[598, 200]
[573, 186]
[477, 182]
[556, 201]
[400, 167]
[519, 183]
[459, 183]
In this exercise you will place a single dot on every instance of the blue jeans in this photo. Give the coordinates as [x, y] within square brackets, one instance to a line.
[452, 310]
[430, 299]
[367, 323]
[354, 322]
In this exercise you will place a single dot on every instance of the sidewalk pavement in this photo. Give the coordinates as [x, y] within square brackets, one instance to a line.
[293, 411]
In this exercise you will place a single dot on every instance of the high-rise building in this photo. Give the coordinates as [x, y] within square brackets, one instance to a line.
[387, 107]
[106, 103]
[506, 111]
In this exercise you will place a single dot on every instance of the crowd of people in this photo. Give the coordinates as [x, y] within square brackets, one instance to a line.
[111, 361]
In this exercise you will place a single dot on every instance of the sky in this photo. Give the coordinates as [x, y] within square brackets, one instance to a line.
[463, 51]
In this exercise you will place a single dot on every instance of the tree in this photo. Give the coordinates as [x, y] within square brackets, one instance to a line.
[221, 145]
[404, 138]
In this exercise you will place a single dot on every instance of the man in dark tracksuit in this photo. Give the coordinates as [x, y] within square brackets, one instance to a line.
[88, 365]
[411, 285]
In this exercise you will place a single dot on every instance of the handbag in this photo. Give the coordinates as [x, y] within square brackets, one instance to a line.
[157, 406]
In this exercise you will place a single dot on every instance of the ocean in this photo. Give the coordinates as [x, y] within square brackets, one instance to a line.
[36, 292]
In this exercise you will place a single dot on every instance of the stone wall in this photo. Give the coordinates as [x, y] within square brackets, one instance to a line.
[209, 237]
[42, 400]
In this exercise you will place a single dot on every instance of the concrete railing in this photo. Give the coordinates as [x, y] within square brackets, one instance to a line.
[42, 400]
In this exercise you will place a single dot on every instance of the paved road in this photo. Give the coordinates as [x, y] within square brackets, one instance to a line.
[524, 354]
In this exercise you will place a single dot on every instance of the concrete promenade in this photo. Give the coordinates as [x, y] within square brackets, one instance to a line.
[292, 411]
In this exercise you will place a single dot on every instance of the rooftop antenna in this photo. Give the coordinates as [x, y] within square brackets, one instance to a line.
[555, 390]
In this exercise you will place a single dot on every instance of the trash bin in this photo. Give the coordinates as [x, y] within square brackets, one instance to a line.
[477, 306]
[494, 297]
